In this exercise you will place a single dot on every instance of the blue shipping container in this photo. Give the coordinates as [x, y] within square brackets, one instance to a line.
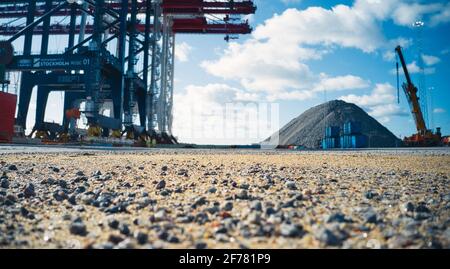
[353, 141]
[352, 128]
[330, 143]
[332, 131]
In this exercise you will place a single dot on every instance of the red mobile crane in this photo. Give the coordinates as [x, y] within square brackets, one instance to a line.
[424, 137]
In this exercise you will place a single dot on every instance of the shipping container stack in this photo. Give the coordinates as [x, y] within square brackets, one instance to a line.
[352, 136]
[331, 139]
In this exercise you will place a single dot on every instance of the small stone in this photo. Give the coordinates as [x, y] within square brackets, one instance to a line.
[113, 223]
[59, 195]
[407, 207]
[115, 239]
[79, 208]
[228, 206]
[124, 229]
[62, 183]
[164, 193]
[370, 194]
[4, 183]
[141, 237]
[336, 217]
[370, 217]
[291, 230]
[160, 215]
[212, 190]
[243, 195]
[421, 208]
[200, 245]
[199, 202]
[161, 185]
[79, 173]
[212, 210]
[182, 172]
[291, 185]
[12, 167]
[173, 239]
[327, 237]
[29, 190]
[78, 228]
[256, 205]
[164, 168]
[245, 186]
[55, 169]
[270, 211]
[72, 199]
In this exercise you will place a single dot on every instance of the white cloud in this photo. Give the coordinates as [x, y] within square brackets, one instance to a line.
[442, 17]
[414, 68]
[380, 103]
[430, 59]
[406, 14]
[439, 110]
[389, 56]
[217, 114]
[348, 82]
[182, 51]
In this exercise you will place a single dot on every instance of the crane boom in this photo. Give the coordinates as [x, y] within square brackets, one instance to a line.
[411, 95]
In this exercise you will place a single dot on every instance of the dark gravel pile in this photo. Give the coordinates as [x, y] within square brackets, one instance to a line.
[308, 128]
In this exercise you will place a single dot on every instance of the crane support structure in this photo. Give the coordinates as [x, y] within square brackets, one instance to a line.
[424, 136]
[123, 58]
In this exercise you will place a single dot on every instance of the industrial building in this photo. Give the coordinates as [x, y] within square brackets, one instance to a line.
[136, 77]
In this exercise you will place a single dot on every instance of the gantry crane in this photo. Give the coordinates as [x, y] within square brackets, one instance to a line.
[424, 136]
[137, 77]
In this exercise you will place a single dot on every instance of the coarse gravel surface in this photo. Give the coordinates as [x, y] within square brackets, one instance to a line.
[54, 197]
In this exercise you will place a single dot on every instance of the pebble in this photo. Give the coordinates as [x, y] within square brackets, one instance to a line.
[291, 230]
[407, 207]
[199, 202]
[78, 228]
[212, 190]
[160, 215]
[256, 205]
[327, 237]
[29, 190]
[141, 237]
[370, 217]
[337, 217]
[200, 245]
[243, 195]
[161, 185]
[227, 206]
[12, 167]
[291, 185]
[124, 229]
[113, 223]
[370, 194]
[4, 183]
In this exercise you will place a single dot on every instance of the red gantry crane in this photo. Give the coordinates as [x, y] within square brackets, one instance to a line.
[424, 137]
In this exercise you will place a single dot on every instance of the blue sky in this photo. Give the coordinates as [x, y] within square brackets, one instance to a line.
[350, 43]
[305, 52]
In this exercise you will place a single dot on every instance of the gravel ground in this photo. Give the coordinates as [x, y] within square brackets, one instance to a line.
[224, 199]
